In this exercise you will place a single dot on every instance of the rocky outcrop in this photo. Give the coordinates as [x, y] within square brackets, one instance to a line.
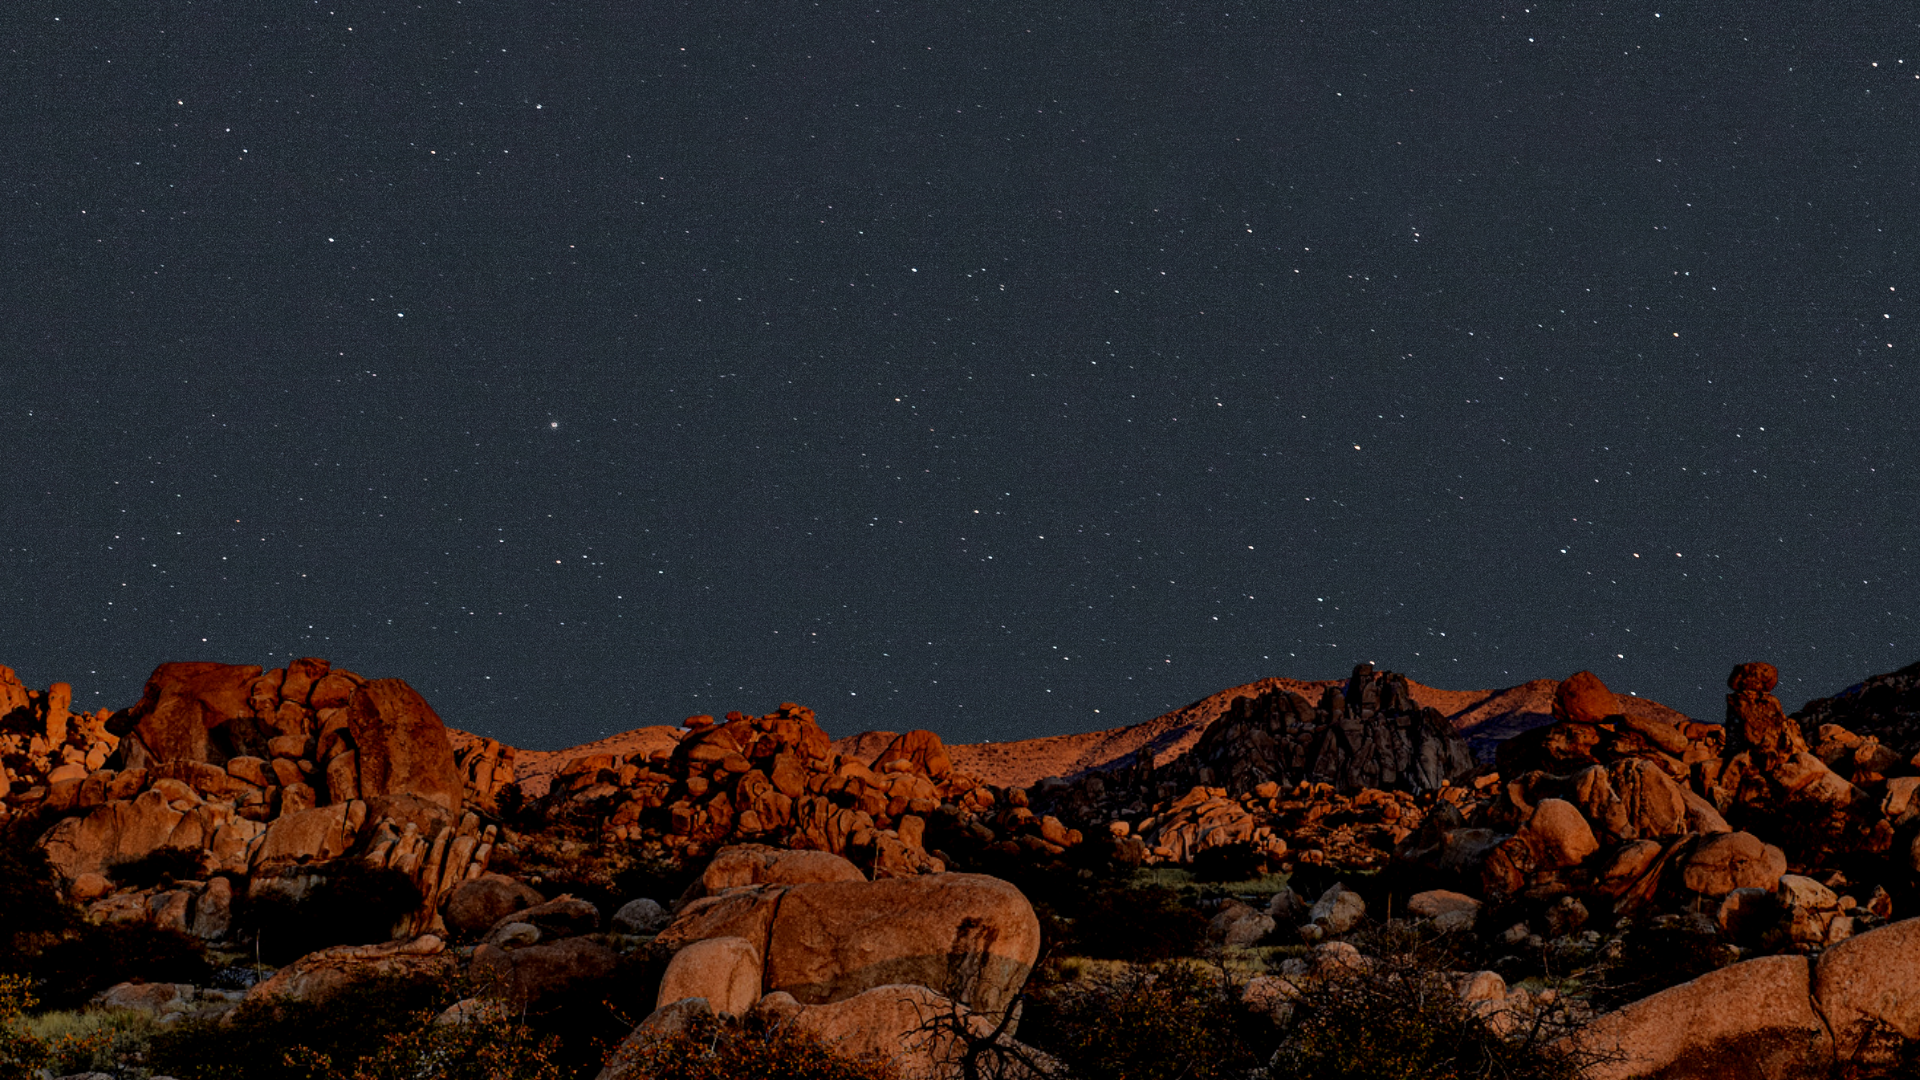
[253, 775]
[772, 779]
[1368, 735]
[865, 966]
[971, 937]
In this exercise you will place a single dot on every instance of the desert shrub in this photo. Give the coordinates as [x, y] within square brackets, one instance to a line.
[20, 1053]
[92, 958]
[491, 1045]
[1401, 1018]
[339, 1032]
[1173, 1021]
[590, 1017]
[1229, 862]
[1140, 924]
[32, 911]
[91, 1041]
[350, 904]
[1654, 956]
[161, 866]
[710, 1050]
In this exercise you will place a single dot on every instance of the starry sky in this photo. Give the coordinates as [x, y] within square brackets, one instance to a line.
[1003, 369]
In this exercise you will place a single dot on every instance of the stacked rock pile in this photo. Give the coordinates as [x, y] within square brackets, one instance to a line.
[42, 741]
[775, 779]
[1602, 812]
[257, 774]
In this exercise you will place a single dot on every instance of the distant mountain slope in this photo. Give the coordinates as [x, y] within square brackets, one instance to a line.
[1884, 706]
[1485, 716]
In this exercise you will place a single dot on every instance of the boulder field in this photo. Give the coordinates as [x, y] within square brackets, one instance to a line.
[827, 900]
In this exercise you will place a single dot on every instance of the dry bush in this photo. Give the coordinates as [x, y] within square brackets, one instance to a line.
[712, 1050]
[1400, 1017]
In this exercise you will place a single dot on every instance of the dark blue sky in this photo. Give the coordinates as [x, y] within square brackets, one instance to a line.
[978, 368]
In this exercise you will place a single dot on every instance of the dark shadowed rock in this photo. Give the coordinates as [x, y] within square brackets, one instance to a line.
[477, 905]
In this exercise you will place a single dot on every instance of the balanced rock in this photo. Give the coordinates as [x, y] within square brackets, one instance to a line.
[1582, 698]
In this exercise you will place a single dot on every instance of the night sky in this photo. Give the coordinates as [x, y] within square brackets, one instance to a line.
[1003, 369]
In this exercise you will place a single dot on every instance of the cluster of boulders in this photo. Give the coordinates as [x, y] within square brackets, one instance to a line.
[42, 741]
[257, 776]
[776, 779]
[1600, 811]
[1308, 823]
[906, 968]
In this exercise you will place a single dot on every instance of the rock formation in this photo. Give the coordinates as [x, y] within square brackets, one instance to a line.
[773, 779]
[258, 774]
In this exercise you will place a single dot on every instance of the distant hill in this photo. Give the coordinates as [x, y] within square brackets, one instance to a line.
[1485, 717]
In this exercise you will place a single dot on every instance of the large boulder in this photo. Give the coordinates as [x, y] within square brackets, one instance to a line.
[1749, 1021]
[743, 913]
[971, 937]
[402, 745]
[1868, 988]
[1558, 835]
[477, 905]
[317, 975]
[725, 971]
[1584, 699]
[909, 1027]
[182, 702]
[314, 835]
[525, 975]
[1723, 862]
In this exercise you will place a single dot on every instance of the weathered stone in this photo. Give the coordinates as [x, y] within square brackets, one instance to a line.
[723, 970]
[743, 913]
[213, 911]
[479, 904]
[1727, 861]
[1583, 698]
[525, 975]
[317, 975]
[115, 832]
[1750, 1021]
[1868, 989]
[402, 745]
[1558, 834]
[562, 916]
[758, 864]
[1338, 910]
[305, 836]
[968, 935]
[641, 916]
[1239, 925]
